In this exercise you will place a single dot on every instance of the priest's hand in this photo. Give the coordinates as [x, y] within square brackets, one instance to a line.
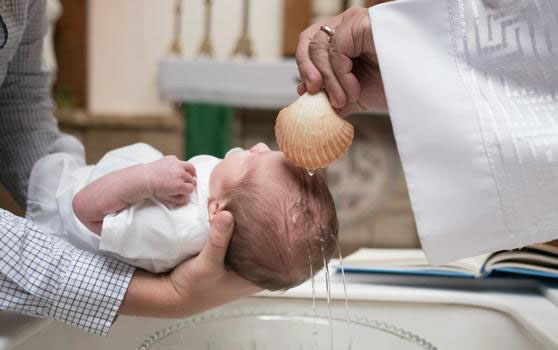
[345, 63]
[196, 285]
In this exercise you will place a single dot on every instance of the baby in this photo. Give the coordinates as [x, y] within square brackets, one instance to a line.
[154, 211]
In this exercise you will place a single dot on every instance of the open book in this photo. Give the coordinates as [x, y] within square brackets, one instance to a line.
[539, 260]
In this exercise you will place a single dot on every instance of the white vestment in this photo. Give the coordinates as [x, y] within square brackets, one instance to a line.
[472, 90]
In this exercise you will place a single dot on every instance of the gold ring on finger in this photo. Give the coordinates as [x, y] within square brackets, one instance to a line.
[330, 32]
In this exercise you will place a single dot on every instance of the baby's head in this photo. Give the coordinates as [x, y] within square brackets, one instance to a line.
[285, 219]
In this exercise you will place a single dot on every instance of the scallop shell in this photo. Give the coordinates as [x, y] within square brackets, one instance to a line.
[311, 134]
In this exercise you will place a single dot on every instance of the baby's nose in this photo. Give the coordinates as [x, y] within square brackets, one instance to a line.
[233, 150]
[260, 147]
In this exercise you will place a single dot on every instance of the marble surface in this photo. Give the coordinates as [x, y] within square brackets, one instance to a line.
[236, 83]
[15, 328]
[551, 293]
[233, 83]
[446, 316]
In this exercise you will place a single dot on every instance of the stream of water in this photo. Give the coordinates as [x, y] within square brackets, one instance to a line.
[328, 290]
[347, 314]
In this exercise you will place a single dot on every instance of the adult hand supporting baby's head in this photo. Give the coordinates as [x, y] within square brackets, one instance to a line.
[204, 281]
[196, 285]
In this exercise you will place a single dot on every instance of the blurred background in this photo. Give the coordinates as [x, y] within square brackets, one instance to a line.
[201, 76]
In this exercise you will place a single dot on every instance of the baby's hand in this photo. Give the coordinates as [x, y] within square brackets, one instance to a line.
[172, 180]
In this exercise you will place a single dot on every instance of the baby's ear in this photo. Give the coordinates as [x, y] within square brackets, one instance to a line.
[214, 207]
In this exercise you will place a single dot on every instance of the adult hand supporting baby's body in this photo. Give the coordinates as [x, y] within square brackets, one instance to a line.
[196, 285]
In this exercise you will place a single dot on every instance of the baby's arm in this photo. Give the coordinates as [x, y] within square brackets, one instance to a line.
[168, 179]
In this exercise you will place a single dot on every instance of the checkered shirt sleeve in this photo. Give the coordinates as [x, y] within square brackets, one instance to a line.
[43, 276]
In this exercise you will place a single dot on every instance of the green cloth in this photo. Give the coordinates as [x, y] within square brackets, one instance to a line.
[208, 129]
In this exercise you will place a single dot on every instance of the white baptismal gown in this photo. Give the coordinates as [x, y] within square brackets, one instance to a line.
[147, 234]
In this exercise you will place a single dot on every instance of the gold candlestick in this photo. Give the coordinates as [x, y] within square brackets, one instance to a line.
[244, 44]
[206, 47]
[176, 46]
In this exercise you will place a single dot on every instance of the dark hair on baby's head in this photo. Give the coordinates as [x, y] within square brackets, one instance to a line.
[281, 234]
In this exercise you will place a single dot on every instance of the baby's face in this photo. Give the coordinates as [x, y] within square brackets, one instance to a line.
[267, 165]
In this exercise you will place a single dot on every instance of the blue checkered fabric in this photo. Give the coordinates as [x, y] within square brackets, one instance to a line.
[42, 275]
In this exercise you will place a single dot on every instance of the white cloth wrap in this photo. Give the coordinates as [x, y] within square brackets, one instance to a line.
[147, 234]
[472, 90]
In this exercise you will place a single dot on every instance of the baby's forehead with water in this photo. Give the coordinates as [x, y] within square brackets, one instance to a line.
[281, 189]
[273, 168]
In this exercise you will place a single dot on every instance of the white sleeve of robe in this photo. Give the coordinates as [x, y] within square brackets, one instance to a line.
[472, 90]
